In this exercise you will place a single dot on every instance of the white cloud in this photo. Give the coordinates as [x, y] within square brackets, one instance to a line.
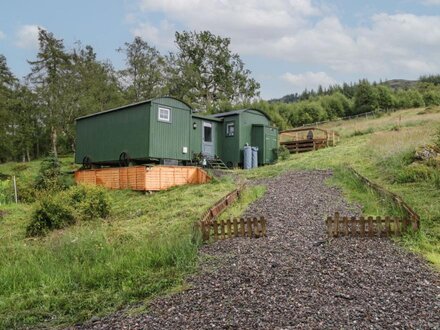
[27, 37]
[162, 35]
[431, 2]
[306, 33]
[309, 80]
[2, 35]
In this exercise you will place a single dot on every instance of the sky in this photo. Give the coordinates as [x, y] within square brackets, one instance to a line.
[289, 45]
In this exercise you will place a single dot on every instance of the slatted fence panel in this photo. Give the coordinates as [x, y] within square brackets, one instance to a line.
[370, 227]
[235, 227]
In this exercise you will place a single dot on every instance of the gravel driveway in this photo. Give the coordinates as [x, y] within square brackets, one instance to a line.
[294, 278]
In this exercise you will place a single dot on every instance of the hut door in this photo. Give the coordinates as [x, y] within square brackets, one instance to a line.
[208, 139]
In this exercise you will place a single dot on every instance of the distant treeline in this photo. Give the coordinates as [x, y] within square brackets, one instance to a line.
[347, 100]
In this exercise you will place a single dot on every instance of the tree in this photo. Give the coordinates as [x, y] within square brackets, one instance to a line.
[144, 76]
[8, 84]
[204, 72]
[385, 97]
[47, 73]
[365, 97]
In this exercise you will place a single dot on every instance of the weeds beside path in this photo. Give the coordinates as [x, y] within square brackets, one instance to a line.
[294, 277]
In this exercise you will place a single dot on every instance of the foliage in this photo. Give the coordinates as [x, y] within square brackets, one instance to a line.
[49, 176]
[5, 192]
[282, 153]
[63, 209]
[146, 71]
[89, 202]
[205, 72]
[144, 249]
[51, 213]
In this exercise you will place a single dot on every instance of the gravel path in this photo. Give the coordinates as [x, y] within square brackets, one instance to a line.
[294, 278]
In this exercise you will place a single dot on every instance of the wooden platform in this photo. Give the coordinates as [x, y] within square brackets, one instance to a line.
[296, 140]
[142, 178]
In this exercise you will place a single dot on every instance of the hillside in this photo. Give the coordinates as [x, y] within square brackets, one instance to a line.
[147, 246]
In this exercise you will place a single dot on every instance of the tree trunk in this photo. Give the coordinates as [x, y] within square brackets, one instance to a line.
[54, 138]
[28, 155]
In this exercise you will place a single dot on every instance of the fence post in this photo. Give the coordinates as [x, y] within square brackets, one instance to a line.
[15, 190]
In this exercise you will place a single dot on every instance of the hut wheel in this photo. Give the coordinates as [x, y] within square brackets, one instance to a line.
[87, 163]
[124, 159]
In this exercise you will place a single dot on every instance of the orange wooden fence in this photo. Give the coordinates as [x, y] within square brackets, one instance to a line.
[142, 178]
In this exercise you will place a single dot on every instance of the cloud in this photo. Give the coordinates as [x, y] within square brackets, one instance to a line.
[307, 34]
[27, 37]
[2, 35]
[161, 35]
[431, 2]
[309, 80]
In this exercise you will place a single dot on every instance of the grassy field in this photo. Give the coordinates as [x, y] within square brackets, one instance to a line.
[382, 149]
[147, 246]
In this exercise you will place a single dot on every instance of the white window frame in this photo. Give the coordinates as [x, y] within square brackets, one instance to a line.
[166, 119]
[227, 128]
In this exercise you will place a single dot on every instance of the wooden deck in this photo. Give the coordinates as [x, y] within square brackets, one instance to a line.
[296, 140]
[142, 178]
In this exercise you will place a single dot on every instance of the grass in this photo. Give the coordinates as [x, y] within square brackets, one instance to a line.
[147, 247]
[385, 156]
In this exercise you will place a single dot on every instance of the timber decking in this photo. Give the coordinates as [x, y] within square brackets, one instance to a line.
[142, 178]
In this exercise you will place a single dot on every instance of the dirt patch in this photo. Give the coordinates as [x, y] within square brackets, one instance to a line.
[295, 278]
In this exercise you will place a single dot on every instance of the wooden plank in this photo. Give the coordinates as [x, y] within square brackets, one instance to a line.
[222, 228]
[235, 224]
[336, 221]
[387, 226]
[242, 228]
[370, 227]
[255, 227]
[249, 227]
[215, 227]
[362, 226]
[228, 223]
[378, 225]
[345, 219]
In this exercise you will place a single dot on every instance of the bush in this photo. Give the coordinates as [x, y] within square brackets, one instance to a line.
[282, 153]
[49, 176]
[90, 202]
[65, 208]
[51, 213]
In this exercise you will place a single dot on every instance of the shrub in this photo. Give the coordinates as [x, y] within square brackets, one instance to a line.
[49, 176]
[89, 202]
[282, 153]
[51, 213]
[62, 209]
